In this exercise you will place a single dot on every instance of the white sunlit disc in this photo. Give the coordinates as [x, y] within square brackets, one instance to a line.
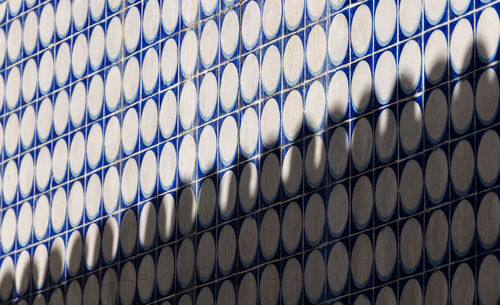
[361, 86]
[361, 30]
[130, 130]
[386, 135]
[209, 6]
[270, 123]
[338, 39]
[291, 170]
[11, 138]
[14, 38]
[168, 62]
[270, 177]
[95, 96]
[229, 87]
[409, 16]
[148, 174]
[435, 58]
[110, 189]
[41, 215]
[23, 272]
[40, 266]
[149, 122]
[434, 10]
[46, 25]
[26, 175]
[249, 78]
[228, 140]
[3, 45]
[271, 17]
[1, 143]
[112, 137]
[385, 77]
[96, 47]
[13, 87]
[96, 9]
[77, 104]
[147, 225]
[436, 115]
[129, 182]
[189, 11]
[131, 77]
[46, 70]
[385, 21]
[80, 55]
[149, 71]
[249, 132]
[114, 38]
[114, 5]
[109, 241]
[271, 69]
[30, 32]
[168, 165]
[361, 144]
[132, 29]
[166, 217]
[315, 8]
[410, 64]
[27, 127]
[249, 187]
[7, 273]
[63, 18]
[80, 10]
[113, 88]
[462, 106]
[8, 231]
[93, 193]
[169, 15]
[487, 33]
[151, 20]
[30, 80]
[487, 96]
[316, 49]
[208, 96]
[42, 169]
[461, 43]
[314, 109]
[187, 158]
[188, 101]
[206, 156]
[209, 43]
[62, 64]
[77, 154]
[293, 115]
[250, 25]
[188, 53]
[337, 97]
[167, 116]
[293, 59]
[58, 210]
[95, 140]
[229, 34]
[15, 7]
[293, 11]
[338, 152]
[75, 204]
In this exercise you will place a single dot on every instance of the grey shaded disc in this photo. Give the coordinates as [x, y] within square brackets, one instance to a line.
[463, 286]
[386, 296]
[436, 237]
[205, 297]
[228, 188]
[436, 115]
[361, 144]
[186, 211]
[247, 290]
[338, 210]
[487, 281]
[337, 268]
[361, 260]
[128, 233]
[291, 171]
[90, 292]
[226, 295]
[487, 95]
[57, 297]
[488, 220]
[463, 226]
[436, 291]
[386, 194]
[147, 225]
[186, 300]
[291, 228]
[410, 127]
[488, 157]
[146, 278]
[386, 135]
[270, 178]
[109, 287]
[248, 241]
[207, 197]
[411, 293]
[73, 294]
[362, 202]
[436, 175]
[314, 219]
[314, 276]
[249, 187]
[226, 249]
[462, 106]
[165, 270]
[291, 283]
[338, 152]
[315, 161]
[269, 285]
[205, 256]
[462, 167]
[269, 233]
[361, 300]
[185, 263]
[166, 217]
[385, 253]
[411, 186]
[410, 247]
